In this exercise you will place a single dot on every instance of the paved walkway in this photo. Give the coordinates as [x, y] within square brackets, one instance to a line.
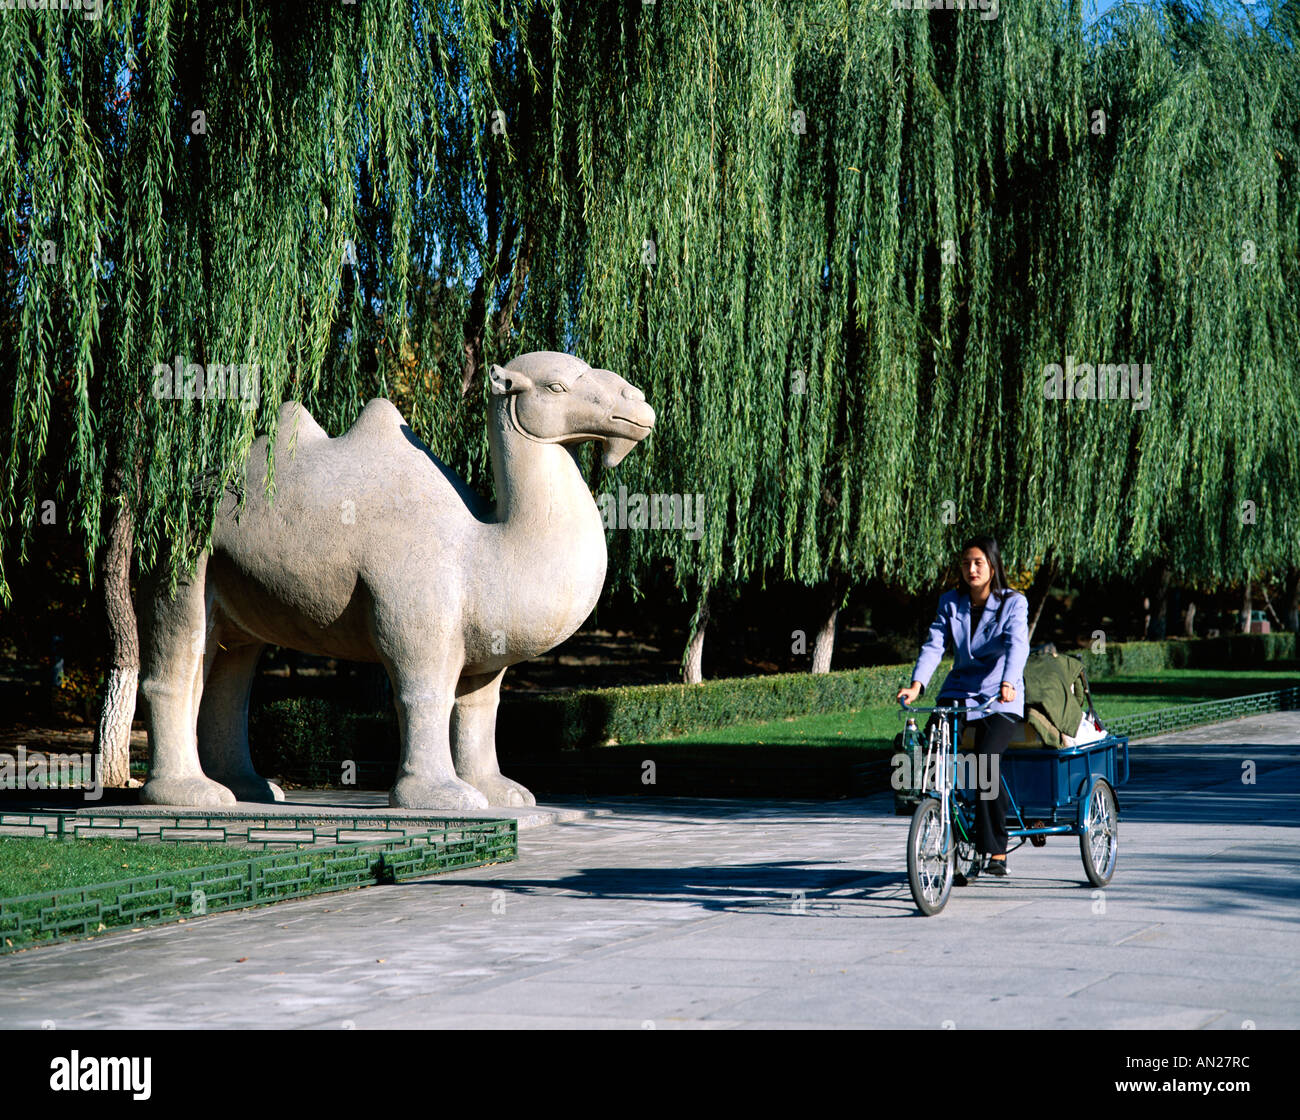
[760, 914]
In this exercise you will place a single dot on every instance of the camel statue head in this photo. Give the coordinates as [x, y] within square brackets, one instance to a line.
[550, 397]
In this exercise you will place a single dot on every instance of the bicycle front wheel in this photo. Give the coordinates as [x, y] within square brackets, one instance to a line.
[929, 859]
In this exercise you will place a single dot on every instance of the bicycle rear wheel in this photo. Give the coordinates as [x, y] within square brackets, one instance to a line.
[1099, 833]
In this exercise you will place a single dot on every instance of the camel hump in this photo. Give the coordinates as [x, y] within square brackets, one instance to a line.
[294, 421]
[380, 419]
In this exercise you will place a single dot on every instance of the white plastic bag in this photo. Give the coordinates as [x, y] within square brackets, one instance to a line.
[1090, 731]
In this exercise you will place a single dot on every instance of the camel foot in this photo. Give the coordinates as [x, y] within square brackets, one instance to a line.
[252, 787]
[197, 793]
[501, 790]
[412, 792]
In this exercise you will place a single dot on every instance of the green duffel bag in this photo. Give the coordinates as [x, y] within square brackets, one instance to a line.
[1056, 697]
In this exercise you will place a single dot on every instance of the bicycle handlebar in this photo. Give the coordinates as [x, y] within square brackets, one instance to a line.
[984, 707]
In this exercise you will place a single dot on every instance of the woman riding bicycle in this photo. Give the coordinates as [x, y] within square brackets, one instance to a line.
[989, 652]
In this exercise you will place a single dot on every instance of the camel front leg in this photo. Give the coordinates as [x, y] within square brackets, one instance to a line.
[474, 740]
[173, 632]
[424, 694]
[223, 723]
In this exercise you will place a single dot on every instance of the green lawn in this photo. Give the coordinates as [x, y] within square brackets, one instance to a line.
[32, 865]
[875, 728]
[1175, 687]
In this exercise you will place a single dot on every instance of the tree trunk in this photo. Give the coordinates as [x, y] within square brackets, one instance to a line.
[113, 735]
[1041, 590]
[824, 643]
[1245, 609]
[693, 659]
[1189, 624]
[1160, 607]
[1292, 605]
[1268, 603]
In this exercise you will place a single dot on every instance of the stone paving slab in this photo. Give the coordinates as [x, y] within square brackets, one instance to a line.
[708, 914]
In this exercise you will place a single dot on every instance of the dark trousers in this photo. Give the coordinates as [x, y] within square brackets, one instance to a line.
[992, 734]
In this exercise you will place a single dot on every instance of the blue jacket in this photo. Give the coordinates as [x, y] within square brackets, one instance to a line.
[996, 652]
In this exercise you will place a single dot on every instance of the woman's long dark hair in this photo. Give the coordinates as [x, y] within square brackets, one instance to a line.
[997, 577]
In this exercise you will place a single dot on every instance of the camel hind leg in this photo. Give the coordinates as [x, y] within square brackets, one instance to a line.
[173, 634]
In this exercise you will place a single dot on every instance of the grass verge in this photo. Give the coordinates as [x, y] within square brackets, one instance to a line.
[874, 728]
[29, 865]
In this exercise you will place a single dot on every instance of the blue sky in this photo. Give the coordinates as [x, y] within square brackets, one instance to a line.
[1094, 8]
[1098, 8]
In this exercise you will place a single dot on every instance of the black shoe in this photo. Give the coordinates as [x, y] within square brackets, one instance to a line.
[996, 867]
[960, 880]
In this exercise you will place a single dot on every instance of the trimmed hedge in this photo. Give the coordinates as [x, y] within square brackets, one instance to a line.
[308, 738]
[1229, 651]
[649, 713]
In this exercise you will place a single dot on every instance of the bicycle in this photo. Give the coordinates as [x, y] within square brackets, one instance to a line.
[1072, 790]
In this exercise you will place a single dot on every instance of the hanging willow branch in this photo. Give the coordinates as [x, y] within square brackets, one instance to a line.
[837, 244]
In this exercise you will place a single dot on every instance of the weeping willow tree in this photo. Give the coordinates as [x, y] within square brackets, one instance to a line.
[874, 233]
[1203, 248]
[217, 207]
[725, 173]
[1104, 218]
[679, 117]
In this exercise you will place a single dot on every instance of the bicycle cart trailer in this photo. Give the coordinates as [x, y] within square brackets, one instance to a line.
[1054, 792]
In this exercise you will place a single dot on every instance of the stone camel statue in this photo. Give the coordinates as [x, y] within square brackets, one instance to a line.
[373, 550]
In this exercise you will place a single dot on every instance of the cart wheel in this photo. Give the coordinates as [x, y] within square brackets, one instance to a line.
[1038, 841]
[1099, 833]
[929, 867]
